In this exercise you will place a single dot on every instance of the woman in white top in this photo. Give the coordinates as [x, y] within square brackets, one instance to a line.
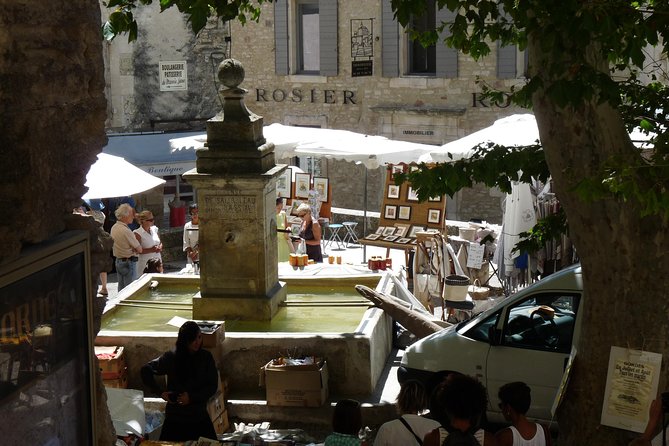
[515, 401]
[410, 428]
[147, 236]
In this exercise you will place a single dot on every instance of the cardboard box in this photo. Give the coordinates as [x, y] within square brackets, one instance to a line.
[213, 333]
[112, 361]
[221, 424]
[296, 385]
[121, 382]
[216, 405]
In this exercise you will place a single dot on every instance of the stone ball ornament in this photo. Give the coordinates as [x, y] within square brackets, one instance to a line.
[231, 73]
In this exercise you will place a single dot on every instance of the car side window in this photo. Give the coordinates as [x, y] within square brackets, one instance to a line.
[542, 322]
[481, 331]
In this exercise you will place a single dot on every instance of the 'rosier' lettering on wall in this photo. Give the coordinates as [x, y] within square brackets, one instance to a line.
[312, 96]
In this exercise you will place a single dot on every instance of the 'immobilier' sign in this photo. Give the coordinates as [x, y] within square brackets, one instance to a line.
[173, 76]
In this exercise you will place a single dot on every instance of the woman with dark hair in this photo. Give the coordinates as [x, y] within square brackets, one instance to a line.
[410, 428]
[346, 424]
[192, 379]
[459, 403]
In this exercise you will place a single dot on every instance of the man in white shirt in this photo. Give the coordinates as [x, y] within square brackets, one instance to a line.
[191, 236]
[126, 247]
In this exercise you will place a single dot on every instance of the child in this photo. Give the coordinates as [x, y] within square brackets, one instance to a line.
[154, 266]
[346, 423]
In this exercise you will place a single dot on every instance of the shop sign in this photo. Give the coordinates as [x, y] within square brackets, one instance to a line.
[478, 100]
[173, 76]
[361, 68]
[163, 170]
[297, 95]
[418, 133]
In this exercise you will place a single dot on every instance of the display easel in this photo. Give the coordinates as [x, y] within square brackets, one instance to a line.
[401, 209]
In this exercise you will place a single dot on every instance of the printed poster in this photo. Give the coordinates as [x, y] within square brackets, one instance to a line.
[631, 385]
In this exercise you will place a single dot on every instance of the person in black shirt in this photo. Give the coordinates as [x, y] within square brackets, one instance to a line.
[191, 380]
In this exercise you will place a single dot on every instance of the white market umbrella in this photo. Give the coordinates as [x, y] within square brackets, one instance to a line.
[289, 141]
[112, 176]
[514, 130]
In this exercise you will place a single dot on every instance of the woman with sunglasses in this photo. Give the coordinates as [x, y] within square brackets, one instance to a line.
[147, 236]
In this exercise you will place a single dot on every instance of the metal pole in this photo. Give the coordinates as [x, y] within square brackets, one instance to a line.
[364, 219]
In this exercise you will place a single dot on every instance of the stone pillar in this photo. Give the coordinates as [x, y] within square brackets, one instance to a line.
[235, 177]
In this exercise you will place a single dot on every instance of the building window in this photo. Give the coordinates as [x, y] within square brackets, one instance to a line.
[422, 60]
[403, 56]
[308, 52]
[305, 37]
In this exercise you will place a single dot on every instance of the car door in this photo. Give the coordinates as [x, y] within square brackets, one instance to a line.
[534, 338]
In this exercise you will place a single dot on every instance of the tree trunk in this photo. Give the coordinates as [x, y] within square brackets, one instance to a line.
[621, 254]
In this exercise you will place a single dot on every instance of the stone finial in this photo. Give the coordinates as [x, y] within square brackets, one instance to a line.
[231, 73]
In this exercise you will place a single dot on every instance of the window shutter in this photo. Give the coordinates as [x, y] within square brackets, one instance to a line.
[327, 11]
[281, 37]
[506, 61]
[447, 58]
[390, 41]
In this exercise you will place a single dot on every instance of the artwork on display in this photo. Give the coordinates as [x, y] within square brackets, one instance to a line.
[398, 168]
[401, 230]
[379, 230]
[390, 212]
[389, 238]
[374, 236]
[414, 230]
[393, 191]
[434, 216]
[404, 213]
[435, 199]
[412, 195]
[302, 184]
[321, 187]
[403, 240]
[389, 230]
[284, 184]
[295, 229]
[293, 207]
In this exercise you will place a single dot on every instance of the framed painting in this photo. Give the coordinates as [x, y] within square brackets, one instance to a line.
[293, 207]
[403, 240]
[434, 216]
[393, 191]
[389, 230]
[390, 238]
[435, 199]
[398, 168]
[414, 230]
[302, 184]
[401, 230]
[284, 184]
[379, 230]
[404, 213]
[412, 195]
[321, 187]
[373, 236]
[390, 212]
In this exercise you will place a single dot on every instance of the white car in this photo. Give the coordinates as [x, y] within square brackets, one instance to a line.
[526, 337]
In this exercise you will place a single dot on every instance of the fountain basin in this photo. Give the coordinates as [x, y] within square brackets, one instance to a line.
[354, 338]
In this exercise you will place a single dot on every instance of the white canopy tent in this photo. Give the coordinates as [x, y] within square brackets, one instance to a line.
[112, 176]
[289, 141]
[512, 131]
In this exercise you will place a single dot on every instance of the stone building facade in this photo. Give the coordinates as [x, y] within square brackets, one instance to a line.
[362, 74]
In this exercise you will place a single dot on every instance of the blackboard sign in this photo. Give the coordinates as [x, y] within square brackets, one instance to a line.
[361, 68]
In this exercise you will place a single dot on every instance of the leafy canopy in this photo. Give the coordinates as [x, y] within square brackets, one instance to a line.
[121, 20]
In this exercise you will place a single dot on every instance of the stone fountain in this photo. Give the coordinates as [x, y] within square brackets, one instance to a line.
[235, 177]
